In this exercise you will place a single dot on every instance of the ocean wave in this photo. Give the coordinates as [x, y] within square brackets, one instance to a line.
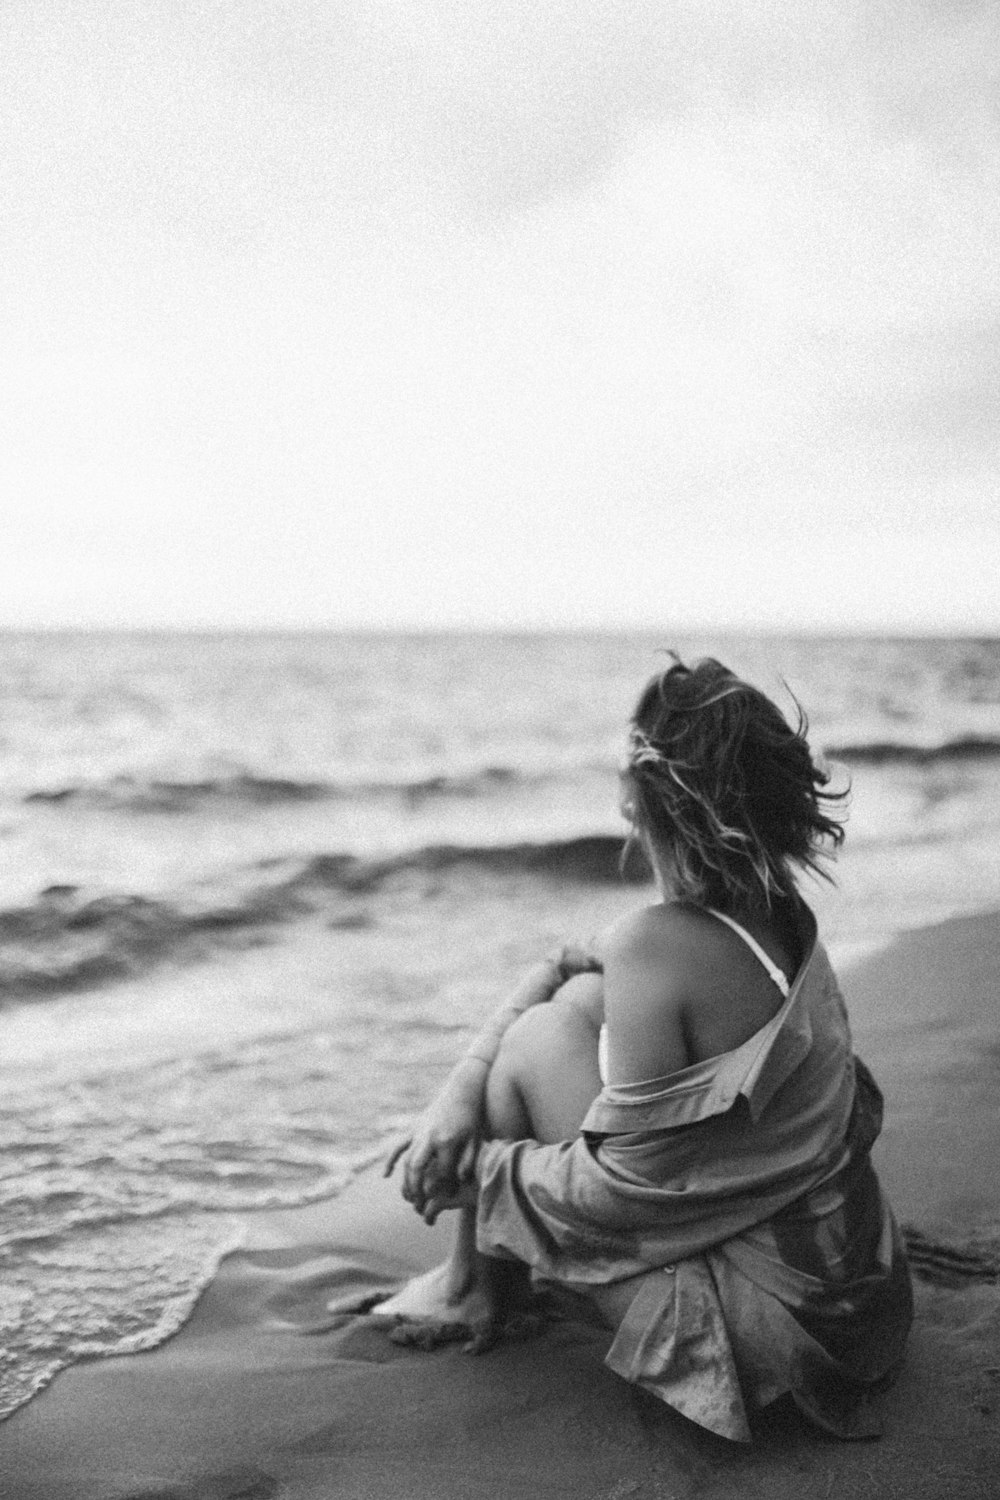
[897, 752]
[120, 1293]
[126, 793]
[250, 789]
[69, 938]
[256, 790]
[586, 857]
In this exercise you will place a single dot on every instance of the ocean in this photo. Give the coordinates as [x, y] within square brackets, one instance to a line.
[258, 888]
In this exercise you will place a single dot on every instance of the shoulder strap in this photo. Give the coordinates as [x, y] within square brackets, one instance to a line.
[772, 968]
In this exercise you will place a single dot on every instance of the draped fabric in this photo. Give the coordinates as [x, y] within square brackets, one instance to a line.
[739, 1197]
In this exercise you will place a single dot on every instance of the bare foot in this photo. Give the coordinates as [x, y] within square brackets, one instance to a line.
[449, 1294]
[470, 1296]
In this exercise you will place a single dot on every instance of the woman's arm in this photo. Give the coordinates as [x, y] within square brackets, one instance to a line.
[648, 975]
[440, 1155]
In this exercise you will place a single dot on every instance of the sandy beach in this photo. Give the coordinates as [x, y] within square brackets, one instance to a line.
[259, 1396]
[469, 473]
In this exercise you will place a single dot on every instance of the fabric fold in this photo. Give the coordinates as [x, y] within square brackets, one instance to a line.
[740, 1193]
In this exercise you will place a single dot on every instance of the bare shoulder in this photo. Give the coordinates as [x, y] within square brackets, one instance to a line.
[648, 979]
[671, 938]
[679, 987]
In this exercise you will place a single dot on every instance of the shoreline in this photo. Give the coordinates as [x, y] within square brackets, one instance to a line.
[245, 1401]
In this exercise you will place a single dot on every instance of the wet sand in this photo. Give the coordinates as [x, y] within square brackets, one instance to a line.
[258, 1396]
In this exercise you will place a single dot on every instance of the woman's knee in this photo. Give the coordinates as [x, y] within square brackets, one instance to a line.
[547, 1032]
[585, 992]
[548, 1060]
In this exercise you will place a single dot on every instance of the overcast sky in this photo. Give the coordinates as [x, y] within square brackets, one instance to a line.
[428, 312]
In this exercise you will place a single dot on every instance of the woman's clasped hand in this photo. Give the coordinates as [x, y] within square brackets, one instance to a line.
[439, 1158]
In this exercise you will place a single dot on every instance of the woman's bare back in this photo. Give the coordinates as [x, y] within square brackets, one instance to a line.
[680, 987]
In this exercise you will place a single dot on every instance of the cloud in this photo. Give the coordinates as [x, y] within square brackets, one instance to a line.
[228, 119]
[293, 291]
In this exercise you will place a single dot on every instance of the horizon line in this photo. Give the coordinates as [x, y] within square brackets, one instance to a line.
[762, 631]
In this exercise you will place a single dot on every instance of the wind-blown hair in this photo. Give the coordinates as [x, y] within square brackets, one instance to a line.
[722, 785]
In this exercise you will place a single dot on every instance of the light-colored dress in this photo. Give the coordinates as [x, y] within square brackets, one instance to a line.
[739, 1196]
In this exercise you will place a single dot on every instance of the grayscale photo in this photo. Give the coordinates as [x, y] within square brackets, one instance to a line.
[499, 750]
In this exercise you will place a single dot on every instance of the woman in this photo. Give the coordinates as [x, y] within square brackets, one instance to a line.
[685, 1135]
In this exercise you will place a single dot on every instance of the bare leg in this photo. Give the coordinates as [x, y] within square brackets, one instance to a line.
[452, 1301]
[541, 1086]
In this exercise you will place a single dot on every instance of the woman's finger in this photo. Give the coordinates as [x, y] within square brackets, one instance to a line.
[467, 1161]
[577, 958]
[421, 1152]
[435, 1206]
[395, 1154]
[421, 1185]
[412, 1179]
[421, 1159]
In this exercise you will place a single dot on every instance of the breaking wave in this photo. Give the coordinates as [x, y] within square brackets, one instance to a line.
[69, 938]
[587, 857]
[253, 790]
[896, 752]
[244, 788]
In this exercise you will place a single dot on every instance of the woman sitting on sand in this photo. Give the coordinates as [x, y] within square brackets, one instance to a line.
[680, 1129]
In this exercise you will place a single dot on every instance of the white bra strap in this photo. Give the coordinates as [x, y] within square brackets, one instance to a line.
[755, 948]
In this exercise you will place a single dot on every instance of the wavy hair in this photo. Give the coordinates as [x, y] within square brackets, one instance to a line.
[721, 783]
